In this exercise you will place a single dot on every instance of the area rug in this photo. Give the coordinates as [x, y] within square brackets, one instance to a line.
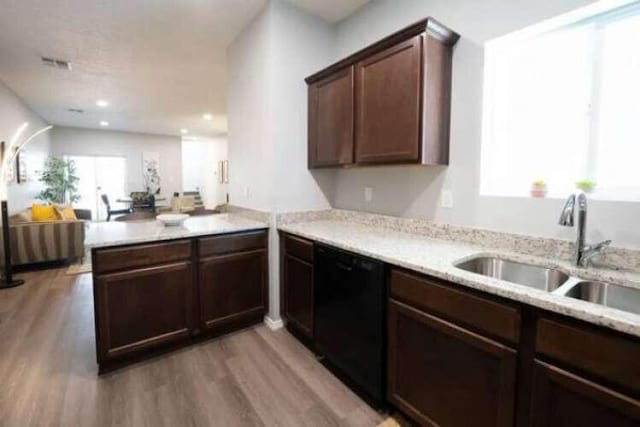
[79, 267]
[389, 422]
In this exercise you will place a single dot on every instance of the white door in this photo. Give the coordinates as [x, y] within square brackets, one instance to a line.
[100, 175]
[200, 169]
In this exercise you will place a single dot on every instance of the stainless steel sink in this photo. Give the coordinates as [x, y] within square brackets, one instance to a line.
[607, 294]
[534, 276]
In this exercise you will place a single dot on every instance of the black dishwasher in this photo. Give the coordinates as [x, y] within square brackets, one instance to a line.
[349, 305]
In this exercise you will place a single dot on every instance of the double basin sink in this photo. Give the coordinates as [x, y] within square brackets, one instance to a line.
[557, 282]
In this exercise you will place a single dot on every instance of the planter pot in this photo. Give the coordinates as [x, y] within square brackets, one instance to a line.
[538, 192]
[587, 190]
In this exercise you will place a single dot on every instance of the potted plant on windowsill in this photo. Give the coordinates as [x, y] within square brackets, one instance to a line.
[586, 185]
[538, 188]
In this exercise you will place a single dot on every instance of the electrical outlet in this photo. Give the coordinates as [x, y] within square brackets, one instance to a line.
[368, 194]
[245, 191]
[446, 199]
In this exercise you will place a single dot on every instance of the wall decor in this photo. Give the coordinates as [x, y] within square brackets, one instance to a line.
[21, 167]
[151, 171]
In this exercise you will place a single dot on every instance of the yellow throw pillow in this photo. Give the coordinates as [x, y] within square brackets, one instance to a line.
[66, 213]
[43, 213]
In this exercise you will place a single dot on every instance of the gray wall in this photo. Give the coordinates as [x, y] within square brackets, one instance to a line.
[267, 109]
[267, 116]
[13, 112]
[415, 191]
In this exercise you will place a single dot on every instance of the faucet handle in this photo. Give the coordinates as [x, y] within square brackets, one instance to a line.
[598, 247]
[593, 250]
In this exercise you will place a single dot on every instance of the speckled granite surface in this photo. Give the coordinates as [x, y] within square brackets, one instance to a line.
[433, 249]
[626, 259]
[253, 214]
[104, 234]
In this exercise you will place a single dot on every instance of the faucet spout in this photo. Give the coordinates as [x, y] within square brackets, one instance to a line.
[576, 205]
[566, 216]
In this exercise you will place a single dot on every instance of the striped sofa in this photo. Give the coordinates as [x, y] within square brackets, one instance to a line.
[34, 242]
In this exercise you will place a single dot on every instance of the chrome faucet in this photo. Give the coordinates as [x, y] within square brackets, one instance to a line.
[583, 253]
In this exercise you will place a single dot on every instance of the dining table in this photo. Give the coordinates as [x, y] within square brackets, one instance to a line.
[127, 199]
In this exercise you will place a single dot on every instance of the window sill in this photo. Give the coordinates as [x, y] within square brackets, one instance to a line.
[597, 195]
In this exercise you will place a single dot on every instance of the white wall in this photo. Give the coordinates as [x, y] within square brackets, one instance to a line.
[200, 159]
[13, 113]
[414, 191]
[91, 142]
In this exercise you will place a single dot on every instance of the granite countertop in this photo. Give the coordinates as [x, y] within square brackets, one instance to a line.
[437, 258]
[104, 234]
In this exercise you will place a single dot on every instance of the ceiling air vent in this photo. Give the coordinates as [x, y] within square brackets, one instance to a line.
[56, 63]
[75, 110]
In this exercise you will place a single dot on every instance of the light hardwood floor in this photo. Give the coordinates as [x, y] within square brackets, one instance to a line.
[48, 372]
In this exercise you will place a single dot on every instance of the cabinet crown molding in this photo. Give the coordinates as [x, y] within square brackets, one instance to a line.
[428, 25]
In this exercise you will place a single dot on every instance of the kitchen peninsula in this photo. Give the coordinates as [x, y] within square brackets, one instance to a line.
[157, 286]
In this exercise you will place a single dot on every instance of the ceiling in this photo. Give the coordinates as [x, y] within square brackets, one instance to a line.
[330, 10]
[160, 64]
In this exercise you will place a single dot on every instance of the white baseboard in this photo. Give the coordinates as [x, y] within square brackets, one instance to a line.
[274, 325]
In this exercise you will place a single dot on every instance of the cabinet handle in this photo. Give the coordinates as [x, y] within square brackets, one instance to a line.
[344, 266]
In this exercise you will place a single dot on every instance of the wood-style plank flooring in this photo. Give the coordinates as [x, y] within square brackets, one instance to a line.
[48, 372]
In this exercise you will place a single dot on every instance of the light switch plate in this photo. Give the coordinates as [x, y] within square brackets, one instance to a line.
[446, 199]
[368, 194]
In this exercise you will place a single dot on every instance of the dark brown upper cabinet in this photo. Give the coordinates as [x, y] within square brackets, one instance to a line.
[331, 120]
[389, 104]
[386, 104]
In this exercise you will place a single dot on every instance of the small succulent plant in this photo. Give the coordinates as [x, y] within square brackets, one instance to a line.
[586, 185]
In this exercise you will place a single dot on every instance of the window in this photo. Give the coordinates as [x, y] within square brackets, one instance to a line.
[563, 106]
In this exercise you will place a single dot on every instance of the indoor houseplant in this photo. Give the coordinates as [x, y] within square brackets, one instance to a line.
[538, 188]
[60, 181]
[586, 185]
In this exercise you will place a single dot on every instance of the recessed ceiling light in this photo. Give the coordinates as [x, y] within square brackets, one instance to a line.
[184, 131]
[104, 123]
[207, 116]
[102, 103]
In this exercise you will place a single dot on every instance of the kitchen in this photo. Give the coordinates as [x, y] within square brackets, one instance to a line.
[415, 234]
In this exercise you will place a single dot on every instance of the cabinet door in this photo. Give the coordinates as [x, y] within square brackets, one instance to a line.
[233, 289]
[144, 308]
[389, 104]
[331, 120]
[298, 294]
[563, 399]
[443, 375]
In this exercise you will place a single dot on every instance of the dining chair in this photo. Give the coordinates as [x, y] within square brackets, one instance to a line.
[105, 200]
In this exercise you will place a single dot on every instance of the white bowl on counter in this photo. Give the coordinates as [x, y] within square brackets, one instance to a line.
[172, 220]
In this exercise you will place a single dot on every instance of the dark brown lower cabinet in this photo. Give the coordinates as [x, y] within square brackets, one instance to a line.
[143, 308]
[563, 399]
[298, 294]
[233, 288]
[462, 358]
[147, 296]
[444, 375]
